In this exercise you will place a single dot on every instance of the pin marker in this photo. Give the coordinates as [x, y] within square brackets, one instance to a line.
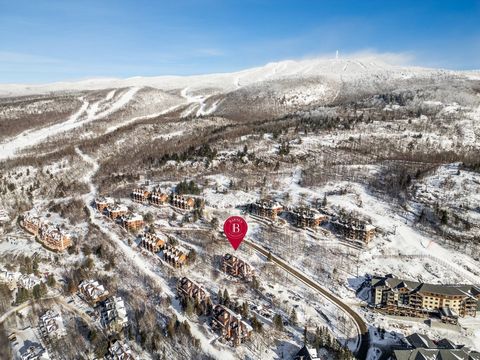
[235, 229]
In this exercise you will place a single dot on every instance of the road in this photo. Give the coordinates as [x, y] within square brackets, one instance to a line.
[363, 344]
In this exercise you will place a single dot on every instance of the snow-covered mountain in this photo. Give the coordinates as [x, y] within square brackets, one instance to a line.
[336, 69]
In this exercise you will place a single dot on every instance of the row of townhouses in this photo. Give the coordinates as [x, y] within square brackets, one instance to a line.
[144, 196]
[227, 323]
[113, 313]
[48, 234]
[236, 267]
[119, 213]
[175, 255]
[304, 217]
[410, 298]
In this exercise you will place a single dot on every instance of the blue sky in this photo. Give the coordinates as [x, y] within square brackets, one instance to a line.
[53, 40]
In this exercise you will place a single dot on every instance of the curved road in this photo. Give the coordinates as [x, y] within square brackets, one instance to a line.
[362, 347]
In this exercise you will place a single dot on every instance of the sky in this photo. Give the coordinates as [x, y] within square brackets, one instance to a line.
[55, 40]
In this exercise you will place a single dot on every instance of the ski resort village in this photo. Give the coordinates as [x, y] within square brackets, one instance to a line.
[359, 182]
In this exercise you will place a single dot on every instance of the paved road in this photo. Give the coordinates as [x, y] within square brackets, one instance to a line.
[362, 346]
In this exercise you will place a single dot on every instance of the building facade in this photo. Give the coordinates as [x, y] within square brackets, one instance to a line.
[175, 255]
[132, 221]
[92, 291]
[265, 208]
[183, 202]
[353, 229]
[114, 314]
[234, 266]
[410, 298]
[305, 217]
[152, 242]
[190, 290]
[53, 237]
[230, 325]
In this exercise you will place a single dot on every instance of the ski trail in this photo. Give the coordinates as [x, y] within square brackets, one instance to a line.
[31, 138]
[197, 100]
[138, 118]
[137, 259]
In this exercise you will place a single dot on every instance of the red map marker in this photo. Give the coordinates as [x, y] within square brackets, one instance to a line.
[235, 229]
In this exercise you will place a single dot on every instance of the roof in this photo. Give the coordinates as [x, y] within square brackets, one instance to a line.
[422, 288]
[305, 354]
[434, 354]
[452, 290]
[420, 341]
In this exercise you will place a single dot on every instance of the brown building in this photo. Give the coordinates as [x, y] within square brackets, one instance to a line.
[234, 266]
[158, 198]
[102, 203]
[31, 223]
[92, 291]
[353, 229]
[230, 325]
[183, 202]
[190, 290]
[306, 217]
[411, 298]
[54, 238]
[48, 234]
[175, 255]
[114, 212]
[265, 208]
[140, 195]
[152, 242]
[132, 221]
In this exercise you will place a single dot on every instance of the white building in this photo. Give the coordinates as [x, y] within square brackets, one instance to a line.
[114, 314]
[51, 324]
[92, 290]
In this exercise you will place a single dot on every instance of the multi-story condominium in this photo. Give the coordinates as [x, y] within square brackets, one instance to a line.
[190, 290]
[265, 208]
[183, 202]
[116, 211]
[31, 222]
[306, 217]
[54, 238]
[353, 229]
[103, 203]
[92, 291]
[175, 255]
[51, 324]
[120, 351]
[158, 198]
[140, 195]
[50, 235]
[230, 325]
[418, 346]
[152, 242]
[234, 266]
[412, 298]
[114, 314]
[132, 221]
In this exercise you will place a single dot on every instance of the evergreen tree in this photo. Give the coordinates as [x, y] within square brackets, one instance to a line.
[293, 317]
[278, 322]
[189, 308]
[220, 297]
[226, 297]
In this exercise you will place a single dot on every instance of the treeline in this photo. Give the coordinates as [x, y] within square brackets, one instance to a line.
[192, 153]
